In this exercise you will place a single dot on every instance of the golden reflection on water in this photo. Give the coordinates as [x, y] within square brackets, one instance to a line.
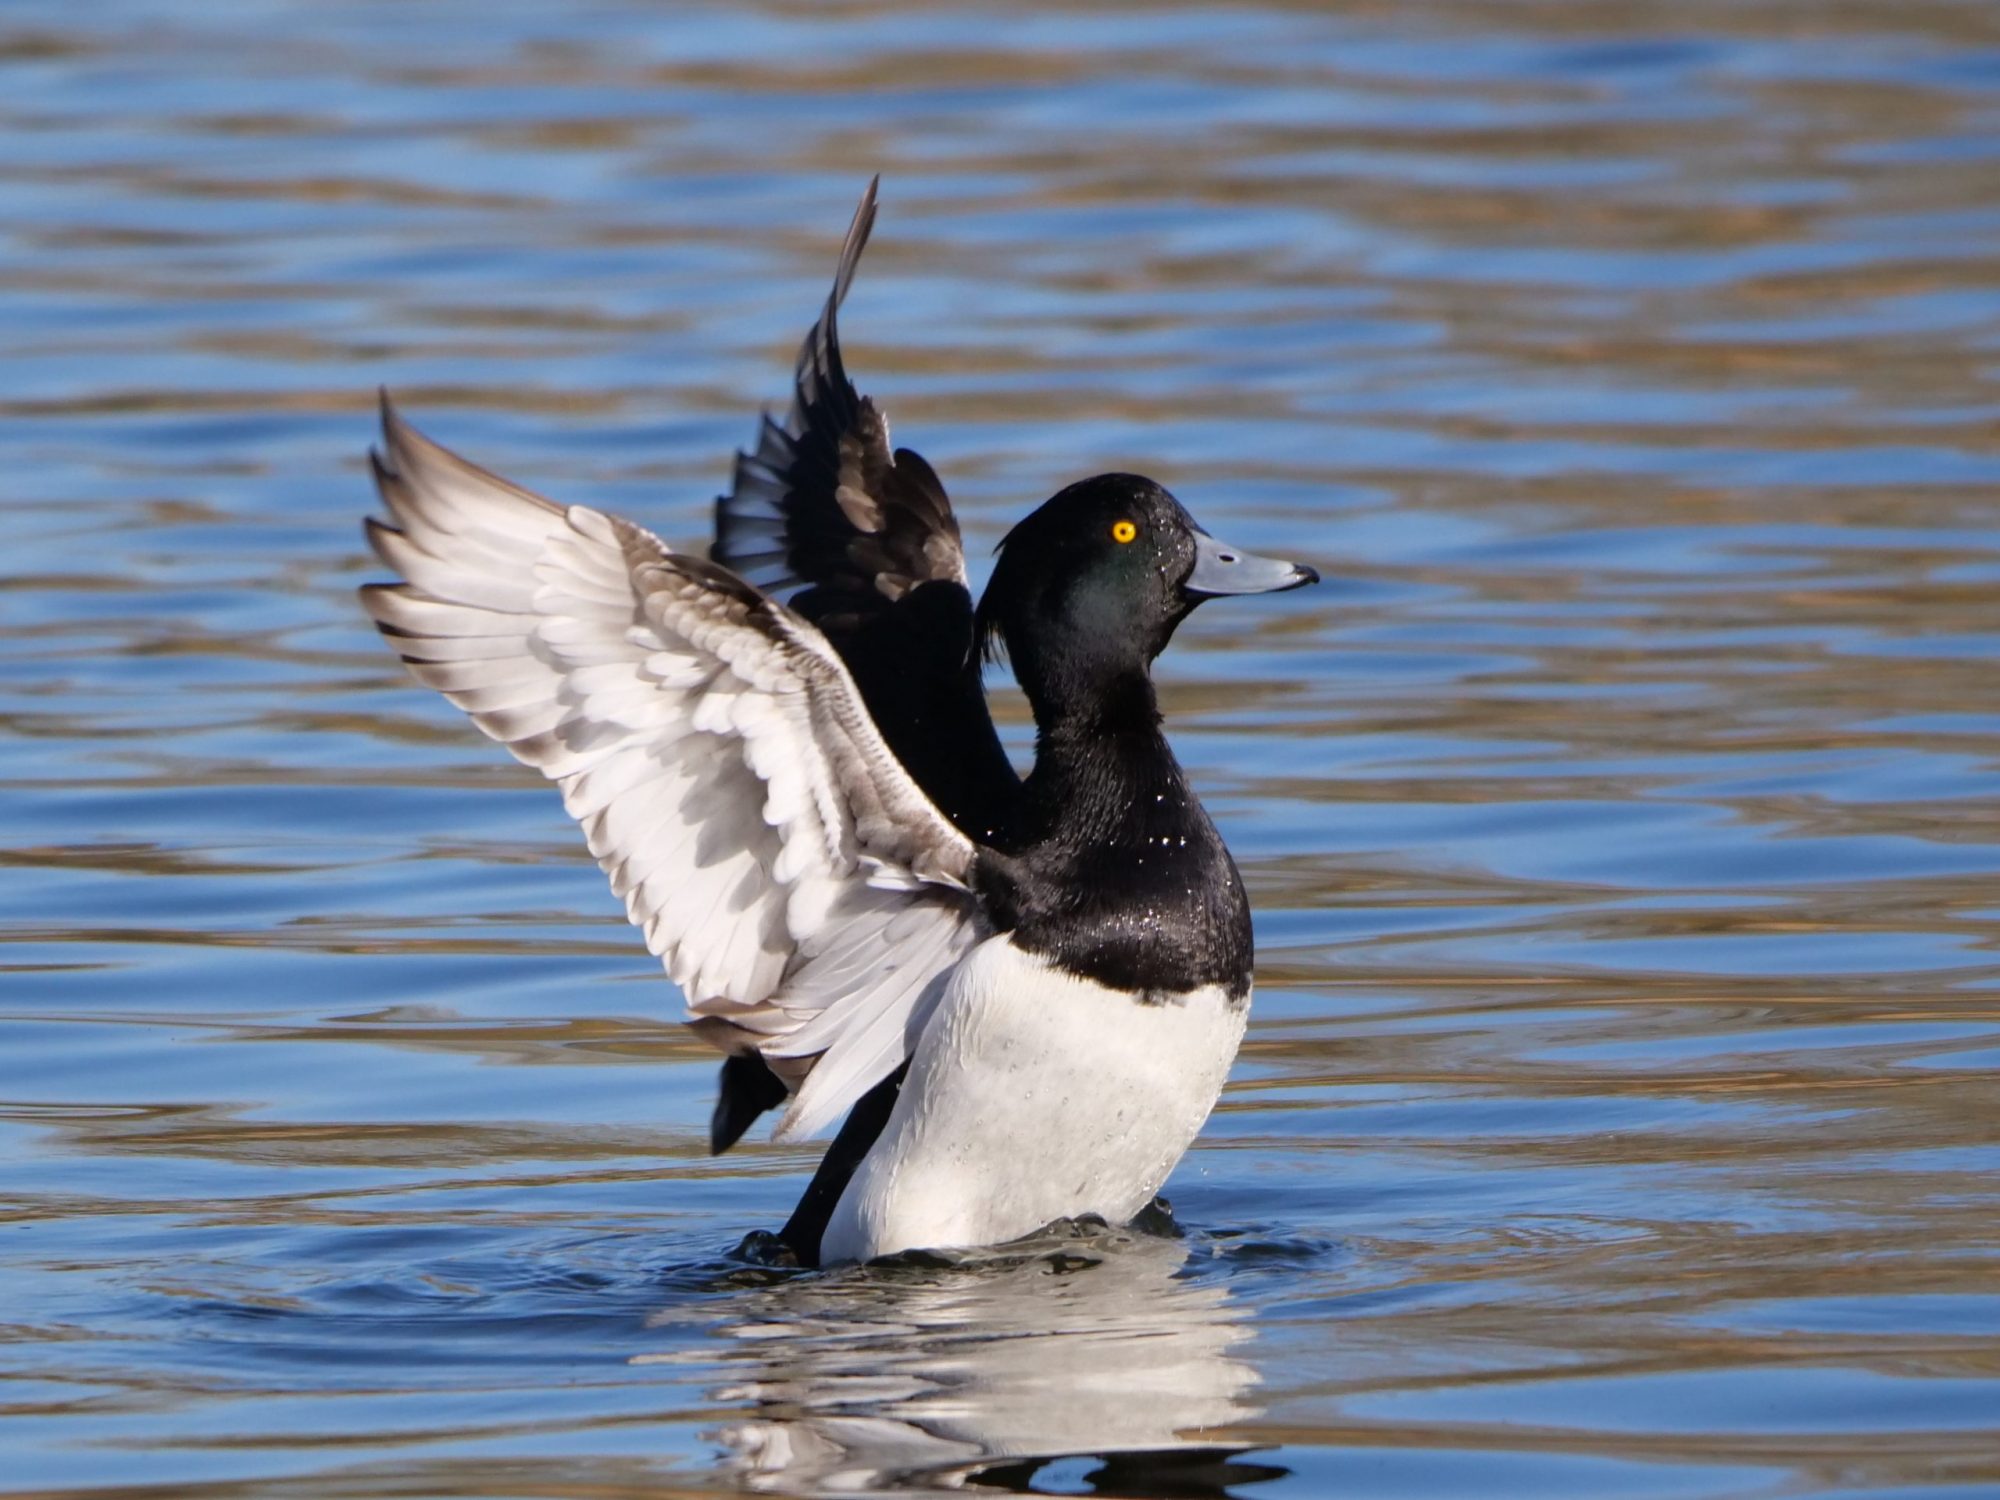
[1619, 1113]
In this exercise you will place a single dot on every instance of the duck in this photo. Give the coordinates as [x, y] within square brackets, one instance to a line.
[1014, 999]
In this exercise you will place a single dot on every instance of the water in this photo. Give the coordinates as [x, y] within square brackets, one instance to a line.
[1619, 1115]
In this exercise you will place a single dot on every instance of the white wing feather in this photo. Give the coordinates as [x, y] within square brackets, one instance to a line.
[799, 887]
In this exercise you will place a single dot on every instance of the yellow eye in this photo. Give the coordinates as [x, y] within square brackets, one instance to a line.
[1123, 531]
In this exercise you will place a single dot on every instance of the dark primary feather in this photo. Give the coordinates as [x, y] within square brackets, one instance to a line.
[824, 502]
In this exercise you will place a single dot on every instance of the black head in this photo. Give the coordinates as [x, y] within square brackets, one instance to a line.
[1093, 584]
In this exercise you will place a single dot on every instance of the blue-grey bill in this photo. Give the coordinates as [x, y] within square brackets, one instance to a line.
[1222, 569]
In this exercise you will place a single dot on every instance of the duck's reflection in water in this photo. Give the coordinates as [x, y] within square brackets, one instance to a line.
[1087, 1363]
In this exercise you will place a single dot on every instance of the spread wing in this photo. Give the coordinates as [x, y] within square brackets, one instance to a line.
[861, 539]
[801, 889]
[824, 501]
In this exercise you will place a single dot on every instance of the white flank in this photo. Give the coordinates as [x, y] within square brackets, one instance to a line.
[1034, 1096]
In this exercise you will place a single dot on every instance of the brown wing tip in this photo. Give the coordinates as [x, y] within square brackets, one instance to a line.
[380, 600]
[858, 230]
[395, 431]
[407, 456]
[373, 528]
[401, 442]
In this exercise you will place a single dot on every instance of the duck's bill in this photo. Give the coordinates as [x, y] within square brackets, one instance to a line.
[1222, 569]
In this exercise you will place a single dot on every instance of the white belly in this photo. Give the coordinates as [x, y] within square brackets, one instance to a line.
[1033, 1096]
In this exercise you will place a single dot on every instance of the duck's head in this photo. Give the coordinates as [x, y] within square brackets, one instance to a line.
[1092, 585]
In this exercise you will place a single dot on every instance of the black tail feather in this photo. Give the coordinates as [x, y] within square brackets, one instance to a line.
[746, 1089]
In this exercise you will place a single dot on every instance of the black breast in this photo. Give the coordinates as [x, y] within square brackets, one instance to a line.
[1115, 873]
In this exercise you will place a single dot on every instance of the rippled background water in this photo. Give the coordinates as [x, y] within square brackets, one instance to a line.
[1620, 1113]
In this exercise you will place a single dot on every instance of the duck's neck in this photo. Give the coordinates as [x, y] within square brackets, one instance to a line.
[1103, 771]
[1079, 711]
[1112, 870]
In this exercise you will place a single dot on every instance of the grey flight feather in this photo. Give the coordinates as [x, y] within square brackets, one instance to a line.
[798, 886]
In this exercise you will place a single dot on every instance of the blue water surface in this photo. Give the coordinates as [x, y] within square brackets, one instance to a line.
[1621, 1109]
